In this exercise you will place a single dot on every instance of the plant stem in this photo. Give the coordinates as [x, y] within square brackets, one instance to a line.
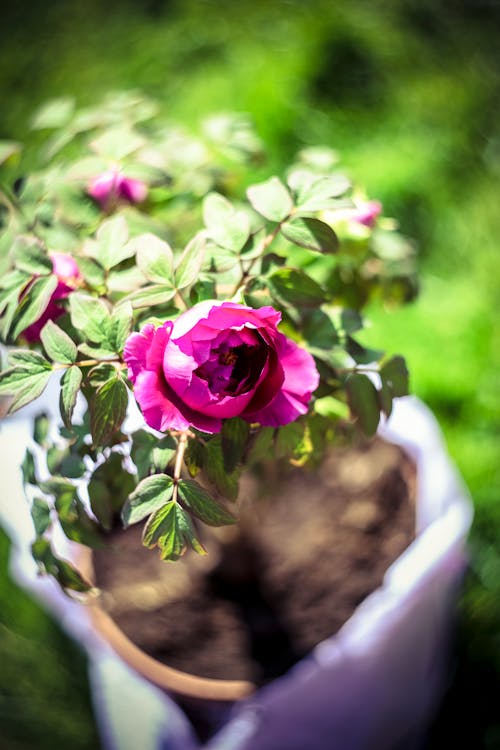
[268, 239]
[179, 458]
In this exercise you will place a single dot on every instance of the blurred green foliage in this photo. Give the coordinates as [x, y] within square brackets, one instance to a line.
[408, 92]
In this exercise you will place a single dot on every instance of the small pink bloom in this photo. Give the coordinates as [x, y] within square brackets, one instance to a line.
[68, 278]
[365, 212]
[215, 361]
[111, 187]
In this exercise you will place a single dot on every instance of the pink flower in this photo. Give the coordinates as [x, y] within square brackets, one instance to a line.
[365, 212]
[215, 361]
[68, 275]
[111, 187]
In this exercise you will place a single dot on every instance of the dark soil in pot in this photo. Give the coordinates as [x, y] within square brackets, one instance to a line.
[309, 548]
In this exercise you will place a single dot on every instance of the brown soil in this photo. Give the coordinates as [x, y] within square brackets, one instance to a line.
[292, 572]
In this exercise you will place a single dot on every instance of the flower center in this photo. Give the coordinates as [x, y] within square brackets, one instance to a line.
[232, 370]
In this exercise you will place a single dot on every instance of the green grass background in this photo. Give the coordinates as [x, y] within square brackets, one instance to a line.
[408, 91]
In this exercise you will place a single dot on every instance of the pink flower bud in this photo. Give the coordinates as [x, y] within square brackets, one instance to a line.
[111, 187]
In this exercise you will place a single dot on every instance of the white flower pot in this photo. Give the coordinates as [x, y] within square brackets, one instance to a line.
[375, 685]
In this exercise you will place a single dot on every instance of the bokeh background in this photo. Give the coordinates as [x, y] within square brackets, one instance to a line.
[408, 91]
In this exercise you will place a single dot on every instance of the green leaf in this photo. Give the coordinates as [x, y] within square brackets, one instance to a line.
[75, 522]
[385, 399]
[90, 317]
[107, 410]
[92, 272]
[108, 488]
[70, 386]
[54, 113]
[40, 513]
[33, 303]
[112, 248]
[120, 326]
[394, 374]
[23, 385]
[156, 294]
[320, 194]
[295, 287]
[27, 358]
[41, 429]
[149, 495]
[235, 434]
[170, 529]
[227, 484]
[57, 344]
[202, 504]
[143, 443]
[331, 407]
[154, 258]
[312, 234]
[67, 576]
[363, 401]
[117, 142]
[8, 149]
[271, 199]
[226, 226]
[28, 468]
[190, 262]
[31, 257]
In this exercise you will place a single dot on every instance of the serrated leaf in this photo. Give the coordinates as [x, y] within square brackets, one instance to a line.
[202, 504]
[271, 199]
[156, 294]
[149, 495]
[155, 259]
[320, 194]
[190, 262]
[90, 316]
[33, 303]
[40, 513]
[234, 437]
[394, 374]
[226, 226]
[363, 402]
[54, 113]
[57, 344]
[171, 530]
[295, 287]
[30, 256]
[111, 248]
[312, 234]
[107, 410]
[70, 386]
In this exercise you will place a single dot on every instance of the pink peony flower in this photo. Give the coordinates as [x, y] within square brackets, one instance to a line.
[215, 361]
[111, 187]
[65, 268]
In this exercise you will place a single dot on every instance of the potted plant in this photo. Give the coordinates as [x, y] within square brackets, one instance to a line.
[197, 320]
